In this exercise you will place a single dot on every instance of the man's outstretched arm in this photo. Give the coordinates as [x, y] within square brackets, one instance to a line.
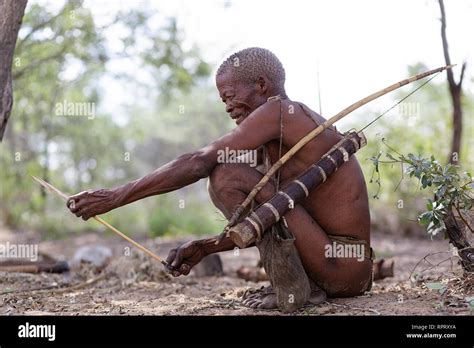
[259, 128]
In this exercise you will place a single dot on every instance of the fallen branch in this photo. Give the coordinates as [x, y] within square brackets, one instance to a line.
[51, 288]
[425, 258]
[35, 267]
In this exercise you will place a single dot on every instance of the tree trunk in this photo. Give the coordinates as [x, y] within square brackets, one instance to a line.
[454, 232]
[455, 91]
[459, 240]
[11, 14]
[253, 226]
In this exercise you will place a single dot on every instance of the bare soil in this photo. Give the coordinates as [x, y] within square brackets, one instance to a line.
[134, 284]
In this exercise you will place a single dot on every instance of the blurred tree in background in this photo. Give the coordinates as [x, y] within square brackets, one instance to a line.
[61, 56]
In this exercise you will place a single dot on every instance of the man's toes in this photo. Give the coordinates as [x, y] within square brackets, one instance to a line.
[254, 303]
[251, 303]
[250, 296]
[247, 301]
[265, 302]
[264, 299]
[262, 305]
[257, 304]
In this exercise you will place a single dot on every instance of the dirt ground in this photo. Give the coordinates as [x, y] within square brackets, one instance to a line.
[133, 284]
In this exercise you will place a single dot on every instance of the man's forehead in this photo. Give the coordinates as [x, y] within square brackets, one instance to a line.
[225, 79]
[225, 83]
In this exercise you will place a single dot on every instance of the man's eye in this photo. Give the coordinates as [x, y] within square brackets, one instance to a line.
[228, 97]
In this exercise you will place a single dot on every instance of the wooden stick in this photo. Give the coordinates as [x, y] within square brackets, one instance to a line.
[53, 289]
[20, 269]
[53, 189]
[35, 267]
[315, 132]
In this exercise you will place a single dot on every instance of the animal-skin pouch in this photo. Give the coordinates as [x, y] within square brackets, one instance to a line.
[283, 266]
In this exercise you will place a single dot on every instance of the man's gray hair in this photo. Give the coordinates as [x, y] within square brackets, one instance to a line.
[249, 64]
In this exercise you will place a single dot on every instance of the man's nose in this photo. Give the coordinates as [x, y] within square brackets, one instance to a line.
[229, 107]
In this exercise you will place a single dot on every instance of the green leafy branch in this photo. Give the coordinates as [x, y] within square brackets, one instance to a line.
[452, 190]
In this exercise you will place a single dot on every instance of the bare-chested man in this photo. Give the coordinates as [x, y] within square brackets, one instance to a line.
[339, 207]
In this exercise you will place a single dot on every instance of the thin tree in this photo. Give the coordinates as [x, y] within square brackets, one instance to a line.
[453, 223]
[11, 14]
[455, 90]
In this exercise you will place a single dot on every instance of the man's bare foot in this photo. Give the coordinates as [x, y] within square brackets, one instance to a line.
[266, 298]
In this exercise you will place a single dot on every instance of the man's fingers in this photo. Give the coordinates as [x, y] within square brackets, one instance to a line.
[87, 213]
[71, 203]
[80, 208]
[82, 213]
[78, 212]
[171, 256]
[175, 262]
[170, 260]
[177, 259]
[74, 207]
[185, 269]
[74, 199]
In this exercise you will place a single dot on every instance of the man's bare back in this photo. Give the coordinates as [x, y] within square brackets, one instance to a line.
[340, 205]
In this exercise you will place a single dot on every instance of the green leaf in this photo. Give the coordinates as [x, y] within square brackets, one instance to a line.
[440, 190]
[425, 218]
[429, 205]
[425, 181]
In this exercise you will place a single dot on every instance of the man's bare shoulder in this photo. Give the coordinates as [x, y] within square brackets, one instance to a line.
[307, 111]
[267, 112]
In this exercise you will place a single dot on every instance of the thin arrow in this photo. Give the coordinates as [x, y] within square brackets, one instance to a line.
[54, 190]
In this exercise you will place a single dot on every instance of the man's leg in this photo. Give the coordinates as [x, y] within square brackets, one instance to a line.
[230, 184]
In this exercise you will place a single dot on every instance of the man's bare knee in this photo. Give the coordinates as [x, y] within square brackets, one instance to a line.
[241, 177]
[219, 178]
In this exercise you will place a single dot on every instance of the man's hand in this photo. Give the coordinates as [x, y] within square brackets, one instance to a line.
[90, 203]
[180, 260]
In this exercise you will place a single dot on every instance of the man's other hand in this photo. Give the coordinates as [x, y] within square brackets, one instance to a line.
[180, 260]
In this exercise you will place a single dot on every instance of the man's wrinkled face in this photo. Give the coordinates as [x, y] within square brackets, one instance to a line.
[240, 99]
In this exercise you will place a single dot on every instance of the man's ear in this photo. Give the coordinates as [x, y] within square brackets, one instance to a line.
[261, 85]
